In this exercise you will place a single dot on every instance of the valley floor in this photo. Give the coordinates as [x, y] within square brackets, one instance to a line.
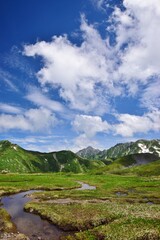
[120, 208]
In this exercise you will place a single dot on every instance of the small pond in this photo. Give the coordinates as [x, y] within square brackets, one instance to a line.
[85, 186]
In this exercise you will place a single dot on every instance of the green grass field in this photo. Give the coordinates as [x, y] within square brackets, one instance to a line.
[121, 207]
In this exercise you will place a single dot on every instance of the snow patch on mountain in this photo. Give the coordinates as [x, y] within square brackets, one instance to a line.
[157, 150]
[143, 148]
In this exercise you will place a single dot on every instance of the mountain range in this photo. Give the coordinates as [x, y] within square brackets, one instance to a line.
[122, 149]
[14, 158]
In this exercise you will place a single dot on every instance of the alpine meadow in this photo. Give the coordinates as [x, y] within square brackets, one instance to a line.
[80, 120]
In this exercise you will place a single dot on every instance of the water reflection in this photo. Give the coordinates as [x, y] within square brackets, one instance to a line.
[85, 186]
[31, 225]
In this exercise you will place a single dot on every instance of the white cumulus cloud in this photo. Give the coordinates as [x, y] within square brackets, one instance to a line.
[81, 72]
[132, 124]
[90, 125]
[90, 75]
[137, 42]
[34, 120]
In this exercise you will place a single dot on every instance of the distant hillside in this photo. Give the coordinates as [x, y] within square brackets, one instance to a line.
[88, 152]
[124, 149]
[150, 169]
[141, 164]
[13, 158]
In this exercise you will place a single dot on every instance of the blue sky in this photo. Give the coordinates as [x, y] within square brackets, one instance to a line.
[79, 73]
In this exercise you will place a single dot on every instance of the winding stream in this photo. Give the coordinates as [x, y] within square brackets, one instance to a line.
[30, 224]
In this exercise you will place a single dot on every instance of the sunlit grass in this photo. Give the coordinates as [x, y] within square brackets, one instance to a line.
[121, 207]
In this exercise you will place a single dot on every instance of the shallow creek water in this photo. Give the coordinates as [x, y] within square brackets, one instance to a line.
[85, 186]
[30, 224]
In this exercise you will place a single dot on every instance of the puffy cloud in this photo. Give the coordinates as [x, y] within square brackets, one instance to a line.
[34, 120]
[90, 125]
[132, 124]
[79, 72]
[136, 42]
[89, 75]
[127, 126]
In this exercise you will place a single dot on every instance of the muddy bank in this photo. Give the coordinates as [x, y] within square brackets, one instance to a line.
[15, 236]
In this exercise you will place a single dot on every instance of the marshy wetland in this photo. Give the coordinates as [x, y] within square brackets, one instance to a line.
[114, 207]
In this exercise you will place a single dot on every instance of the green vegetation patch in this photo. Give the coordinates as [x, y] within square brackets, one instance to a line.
[121, 207]
[127, 166]
[12, 183]
[123, 229]
[74, 216]
[114, 220]
[15, 159]
[150, 169]
[109, 187]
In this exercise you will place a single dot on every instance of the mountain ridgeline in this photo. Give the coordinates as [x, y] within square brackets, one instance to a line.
[141, 158]
[123, 149]
[120, 158]
[13, 158]
[89, 153]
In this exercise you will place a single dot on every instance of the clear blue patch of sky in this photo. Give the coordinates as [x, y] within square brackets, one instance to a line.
[27, 21]
[128, 105]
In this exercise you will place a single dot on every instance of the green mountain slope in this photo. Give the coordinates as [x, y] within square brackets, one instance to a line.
[140, 146]
[150, 169]
[141, 164]
[13, 158]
